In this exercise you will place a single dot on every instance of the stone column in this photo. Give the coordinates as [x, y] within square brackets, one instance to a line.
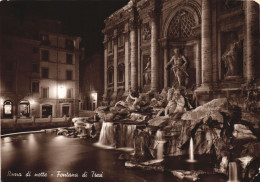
[126, 59]
[105, 69]
[252, 38]
[139, 55]
[206, 43]
[134, 54]
[164, 44]
[198, 63]
[115, 63]
[154, 52]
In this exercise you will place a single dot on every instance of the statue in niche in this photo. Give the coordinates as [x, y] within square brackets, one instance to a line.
[231, 56]
[178, 65]
[147, 72]
[146, 32]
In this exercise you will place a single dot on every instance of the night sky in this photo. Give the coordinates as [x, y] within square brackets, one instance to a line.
[80, 18]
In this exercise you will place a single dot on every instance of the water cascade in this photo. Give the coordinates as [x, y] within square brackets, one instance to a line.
[127, 135]
[159, 144]
[107, 135]
[191, 152]
[232, 172]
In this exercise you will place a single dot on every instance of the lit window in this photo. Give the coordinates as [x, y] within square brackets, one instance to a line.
[62, 92]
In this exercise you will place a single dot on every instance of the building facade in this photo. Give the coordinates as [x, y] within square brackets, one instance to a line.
[39, 76]
[91, 86]
[213, 45]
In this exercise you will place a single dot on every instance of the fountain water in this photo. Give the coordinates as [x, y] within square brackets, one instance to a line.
[159, 144]
[107, 135]
[127, 135]
[191, 152]
[232, 172]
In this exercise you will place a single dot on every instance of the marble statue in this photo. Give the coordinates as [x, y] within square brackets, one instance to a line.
[147, 72]
[176, 104]
[178, 65]
[230, 58]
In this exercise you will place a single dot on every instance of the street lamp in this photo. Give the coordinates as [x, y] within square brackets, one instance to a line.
[94, 96]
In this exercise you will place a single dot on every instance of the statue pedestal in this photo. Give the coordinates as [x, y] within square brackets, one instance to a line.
[114, 96]
[235, 77]
[231, 82]
[146, 88]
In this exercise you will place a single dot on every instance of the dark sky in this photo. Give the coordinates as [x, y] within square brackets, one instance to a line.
[81, 18]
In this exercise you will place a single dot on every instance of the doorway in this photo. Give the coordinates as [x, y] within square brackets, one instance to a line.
[65, 110]
[46, 111]
[8, 109]
[24, 109]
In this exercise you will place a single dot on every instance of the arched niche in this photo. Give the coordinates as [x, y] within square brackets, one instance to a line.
[8, 109]
[110, 76]
[121, 73]
[181, 30]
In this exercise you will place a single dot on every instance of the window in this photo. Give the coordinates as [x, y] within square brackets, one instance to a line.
[45, 73]
[121, 40]
[35, 87]
[45, 39]
[69, 59]
[45, 55]
[120, 75]
[45, 92]
[35, 68]
[69, 44]
[69, 93]
[110, 46]
[110, 76]
[68, 75]
[35, 50]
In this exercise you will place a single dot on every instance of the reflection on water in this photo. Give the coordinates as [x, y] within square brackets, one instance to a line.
[51, 155]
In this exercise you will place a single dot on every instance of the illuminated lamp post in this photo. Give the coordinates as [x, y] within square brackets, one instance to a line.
[32, 102]
[94, 98]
